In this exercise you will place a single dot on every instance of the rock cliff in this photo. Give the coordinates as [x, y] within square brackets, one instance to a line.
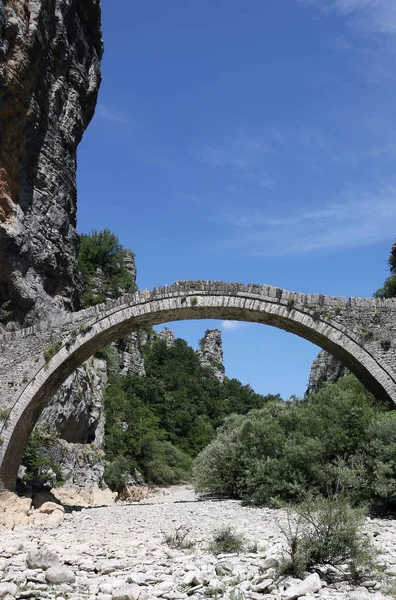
[50, 53]
[325, 369]
[211, 352]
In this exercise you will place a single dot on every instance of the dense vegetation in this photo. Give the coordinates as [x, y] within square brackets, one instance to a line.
[155, 424]
[158, 423]
[339, 439]
[101, 264]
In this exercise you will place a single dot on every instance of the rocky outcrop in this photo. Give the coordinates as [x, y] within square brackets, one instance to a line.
[325, 369]
[167, 336]
[50, 53]
[76, 411]
[130, 355]
[211, 352]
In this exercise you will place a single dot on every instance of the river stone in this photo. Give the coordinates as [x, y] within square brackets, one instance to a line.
[8, 589]
[130, 592]
[310, 585]
[42, 559]
[60, 574]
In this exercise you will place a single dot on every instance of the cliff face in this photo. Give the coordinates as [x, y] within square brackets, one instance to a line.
[325, 369]
[50, 53]
[211, 353]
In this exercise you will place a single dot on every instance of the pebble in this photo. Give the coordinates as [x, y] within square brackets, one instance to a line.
[119, 552]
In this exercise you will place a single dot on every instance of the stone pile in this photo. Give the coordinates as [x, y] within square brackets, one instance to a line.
[47, 508]
[120, 553]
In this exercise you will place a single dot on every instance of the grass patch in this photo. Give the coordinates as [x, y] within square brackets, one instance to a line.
[226, 541]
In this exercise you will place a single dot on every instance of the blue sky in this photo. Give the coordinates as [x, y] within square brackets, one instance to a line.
[248, 141]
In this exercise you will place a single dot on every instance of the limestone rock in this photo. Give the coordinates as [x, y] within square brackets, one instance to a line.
[211, 352]
[60, 574]
[168, 336]
[130, 592]
[325, 369]
[14, 510]
[8, 589]
[92, 496]
[49, 507]
[50, 55]
[310, 585]
[77, 413]
[42, 558]
[131, 358]
[133, 493]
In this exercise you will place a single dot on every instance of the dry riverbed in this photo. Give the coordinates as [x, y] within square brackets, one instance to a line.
[119, 553]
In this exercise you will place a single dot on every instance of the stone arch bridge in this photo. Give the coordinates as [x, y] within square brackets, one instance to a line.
[34, 362]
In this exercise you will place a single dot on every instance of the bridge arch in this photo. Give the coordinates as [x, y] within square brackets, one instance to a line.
[325, 321]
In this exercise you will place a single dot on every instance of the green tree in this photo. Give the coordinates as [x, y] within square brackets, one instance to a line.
[388, 290]
[103, 250]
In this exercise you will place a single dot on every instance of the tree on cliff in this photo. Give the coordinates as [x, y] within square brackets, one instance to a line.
[388, 290]
[101, 260]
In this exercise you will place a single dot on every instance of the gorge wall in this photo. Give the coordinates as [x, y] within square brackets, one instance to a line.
[50, 52]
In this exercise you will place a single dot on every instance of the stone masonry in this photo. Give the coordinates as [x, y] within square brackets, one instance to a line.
[34, 362]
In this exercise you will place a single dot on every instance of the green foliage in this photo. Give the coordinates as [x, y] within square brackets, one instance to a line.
[102, 250]
[281, 452]
[327, 531]
[5, 313]
[49, 352]
[291, 302]
[388, 290]
[5, 415]
[226, 540]
[40, 442]
[159, 422]
[116, 472]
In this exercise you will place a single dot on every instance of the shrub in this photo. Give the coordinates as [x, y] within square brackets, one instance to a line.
[340, 436]
[291, 302]
[35, 458]
[326, 531]
[117, 472]
[226, 540]
[180, 538]
[5, 415]
[49, 352]
[5, 313]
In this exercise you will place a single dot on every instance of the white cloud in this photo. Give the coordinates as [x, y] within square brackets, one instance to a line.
[378, 16]
[232, 325]
[360, 220]
[110, 114]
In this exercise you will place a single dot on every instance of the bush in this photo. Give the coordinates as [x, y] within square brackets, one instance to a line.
[326, 531]
[226, 541]
[339, 438]
[34, 458]
[167, 465]
[117, 472]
